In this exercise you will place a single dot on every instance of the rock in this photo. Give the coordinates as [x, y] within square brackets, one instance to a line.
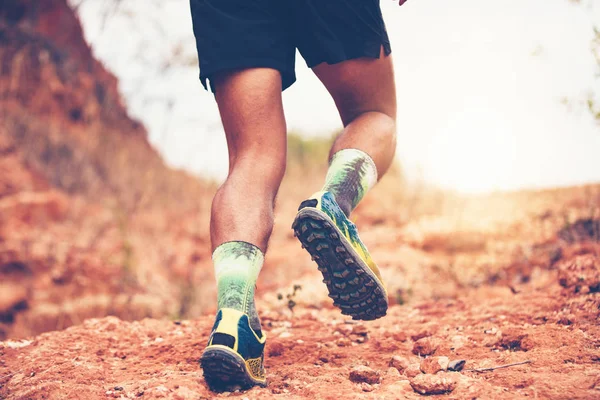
[434, 384]
[491, 337]
[399, 336]
[361, 339]
[360, 329]
[456, 365]
[400, 363]
[362, 373]
[275, 349]
[392, 374]
[425, 346]
[412, 370]
[433, 365]
[14, 345]
[343, 342]
[366, 387]
[457, 341]
[420, 335]
[515, 340]
[344, 329]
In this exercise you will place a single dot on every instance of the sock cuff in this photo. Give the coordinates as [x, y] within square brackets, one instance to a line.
[236, 249]
[347, 155]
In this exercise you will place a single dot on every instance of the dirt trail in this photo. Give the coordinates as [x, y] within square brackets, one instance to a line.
[503, 291]
[311, 355]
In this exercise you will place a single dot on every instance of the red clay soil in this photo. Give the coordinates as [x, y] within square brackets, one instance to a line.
[311, 355]
[547, 324]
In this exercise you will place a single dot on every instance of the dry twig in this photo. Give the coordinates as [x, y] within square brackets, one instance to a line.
[498, 367]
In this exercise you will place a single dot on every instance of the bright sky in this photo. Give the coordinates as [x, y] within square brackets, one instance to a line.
[480, 90]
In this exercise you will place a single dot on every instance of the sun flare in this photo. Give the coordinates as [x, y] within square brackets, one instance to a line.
[475, 152]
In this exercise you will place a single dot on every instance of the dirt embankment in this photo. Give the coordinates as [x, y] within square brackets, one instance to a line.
[84, 198]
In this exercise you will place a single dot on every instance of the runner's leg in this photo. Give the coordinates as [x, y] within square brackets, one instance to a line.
[245, 52]
[252, 114]
[242, 211]
[365, 94]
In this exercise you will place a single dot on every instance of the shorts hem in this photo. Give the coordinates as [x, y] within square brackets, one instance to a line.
[370, 52]
[287, 77]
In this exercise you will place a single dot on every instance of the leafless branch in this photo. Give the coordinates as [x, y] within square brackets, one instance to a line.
[497, 367]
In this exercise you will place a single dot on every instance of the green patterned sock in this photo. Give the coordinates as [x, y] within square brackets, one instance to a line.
[237, 265]
[352, 173]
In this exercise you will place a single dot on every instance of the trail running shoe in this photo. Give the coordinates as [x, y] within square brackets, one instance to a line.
[234, 356]
[353, 279]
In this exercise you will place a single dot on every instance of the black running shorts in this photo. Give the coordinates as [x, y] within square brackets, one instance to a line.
[238, 34]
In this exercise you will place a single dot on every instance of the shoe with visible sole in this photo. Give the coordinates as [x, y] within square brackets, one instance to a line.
[353, 279]
[234, 357]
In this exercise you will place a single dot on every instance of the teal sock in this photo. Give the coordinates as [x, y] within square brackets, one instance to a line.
[352, 173]
[237, 265]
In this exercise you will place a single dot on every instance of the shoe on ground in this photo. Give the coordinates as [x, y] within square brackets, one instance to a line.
[234, 357]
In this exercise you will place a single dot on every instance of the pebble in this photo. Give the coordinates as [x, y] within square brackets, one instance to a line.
[400, 336]
[392, 373]
[425, 346]
[275, 349]
[360, 329]
[412, 370]
[434, 384]
[18, 344]
[458, 341]
[366, 387]
[420, 335]
[400, 363]
[344, 330]
[515, 340]
[362, 373]
[162, 389]
[456, 365]
[433, 365]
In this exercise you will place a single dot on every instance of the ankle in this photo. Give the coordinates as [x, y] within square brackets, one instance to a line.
[351, 174]
[237, 265]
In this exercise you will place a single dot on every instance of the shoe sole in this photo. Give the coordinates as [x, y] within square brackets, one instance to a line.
[352, 285]
[225, 370]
